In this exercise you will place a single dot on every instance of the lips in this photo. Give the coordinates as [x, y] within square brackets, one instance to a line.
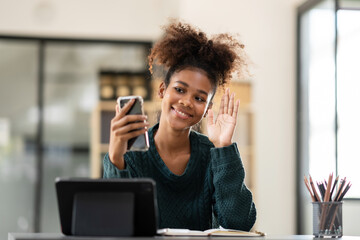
[181, 113]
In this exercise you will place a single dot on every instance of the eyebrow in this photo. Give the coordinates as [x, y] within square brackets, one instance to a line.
[187, 85]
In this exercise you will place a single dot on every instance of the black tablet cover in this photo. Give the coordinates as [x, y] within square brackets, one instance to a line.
[107, 207]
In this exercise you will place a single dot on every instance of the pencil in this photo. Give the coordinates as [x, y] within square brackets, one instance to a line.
[342, 188]
[328, 187]
[342, 184]
[316, 195]
[333, 188]
[345, 191]
[322, 189]
[308, 187]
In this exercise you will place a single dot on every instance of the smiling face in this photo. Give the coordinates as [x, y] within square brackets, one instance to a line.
[186, 99]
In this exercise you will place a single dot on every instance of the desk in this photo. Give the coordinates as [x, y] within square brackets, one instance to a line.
[58, 236]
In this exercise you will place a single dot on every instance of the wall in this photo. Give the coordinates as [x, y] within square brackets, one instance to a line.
[135, 19]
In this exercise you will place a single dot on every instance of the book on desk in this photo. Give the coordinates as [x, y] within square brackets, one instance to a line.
[220, 232]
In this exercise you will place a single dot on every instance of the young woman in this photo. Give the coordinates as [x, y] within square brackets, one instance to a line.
[199, 179]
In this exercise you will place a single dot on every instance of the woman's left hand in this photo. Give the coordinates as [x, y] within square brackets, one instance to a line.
[221, 130]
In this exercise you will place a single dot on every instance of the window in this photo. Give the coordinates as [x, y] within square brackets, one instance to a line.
[348, 88]
[328, 94]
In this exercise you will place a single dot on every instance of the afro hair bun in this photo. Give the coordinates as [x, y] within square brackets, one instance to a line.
[185, 45]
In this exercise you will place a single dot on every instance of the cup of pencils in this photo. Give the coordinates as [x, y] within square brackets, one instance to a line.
[327, 205]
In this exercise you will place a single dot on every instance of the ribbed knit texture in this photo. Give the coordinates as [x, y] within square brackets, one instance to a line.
[211, 186]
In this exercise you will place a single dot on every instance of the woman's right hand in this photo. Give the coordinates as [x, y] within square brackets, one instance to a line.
[124, 127]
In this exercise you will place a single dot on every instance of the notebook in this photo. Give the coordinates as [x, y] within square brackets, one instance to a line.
[216, 232]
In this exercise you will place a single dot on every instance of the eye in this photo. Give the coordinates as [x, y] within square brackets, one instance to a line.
[180, 90]
[200, 99]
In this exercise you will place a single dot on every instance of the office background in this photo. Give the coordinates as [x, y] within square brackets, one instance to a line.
[268, 29]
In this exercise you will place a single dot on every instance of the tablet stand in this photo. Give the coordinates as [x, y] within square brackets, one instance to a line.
[103, 214]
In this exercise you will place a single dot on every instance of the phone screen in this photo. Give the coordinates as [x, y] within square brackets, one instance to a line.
[140, 143]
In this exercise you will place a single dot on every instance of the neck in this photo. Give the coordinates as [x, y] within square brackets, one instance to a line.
[172, 141]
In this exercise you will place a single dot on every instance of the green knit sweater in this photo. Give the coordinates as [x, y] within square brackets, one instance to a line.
[211, 191]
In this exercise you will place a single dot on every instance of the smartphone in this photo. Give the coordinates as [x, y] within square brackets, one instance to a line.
[139, 143]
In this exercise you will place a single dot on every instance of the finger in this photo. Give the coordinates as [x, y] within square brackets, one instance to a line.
[236, 109]
[117, 109]
[133, 134]
[221, 111]
[128, 119]
[130, 128]
[226, 101]
[126, 108]
[231, 104]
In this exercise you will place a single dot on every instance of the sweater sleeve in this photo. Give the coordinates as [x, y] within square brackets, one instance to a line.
[111, 171]
[233, 204]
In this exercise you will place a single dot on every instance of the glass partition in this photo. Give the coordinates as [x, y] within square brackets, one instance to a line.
[71, 93]
[18, 134]
[49, 89]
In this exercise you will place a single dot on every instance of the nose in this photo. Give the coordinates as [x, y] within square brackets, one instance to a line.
[186, 101]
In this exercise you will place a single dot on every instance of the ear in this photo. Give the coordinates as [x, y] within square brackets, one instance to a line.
[161, 90]
[209, 107]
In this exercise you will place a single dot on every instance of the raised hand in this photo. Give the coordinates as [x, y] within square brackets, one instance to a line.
[124, 127]
[221, 130]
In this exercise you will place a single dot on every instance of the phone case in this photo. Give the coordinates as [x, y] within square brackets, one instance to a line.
[140, 143]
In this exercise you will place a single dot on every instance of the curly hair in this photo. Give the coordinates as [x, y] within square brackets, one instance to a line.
[184, 46]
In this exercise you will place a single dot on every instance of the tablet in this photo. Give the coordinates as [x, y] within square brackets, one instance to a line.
[107, 207]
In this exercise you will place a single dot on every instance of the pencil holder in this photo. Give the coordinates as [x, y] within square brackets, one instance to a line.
[327, 219]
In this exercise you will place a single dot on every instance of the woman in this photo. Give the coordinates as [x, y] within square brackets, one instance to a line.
[199, 179]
